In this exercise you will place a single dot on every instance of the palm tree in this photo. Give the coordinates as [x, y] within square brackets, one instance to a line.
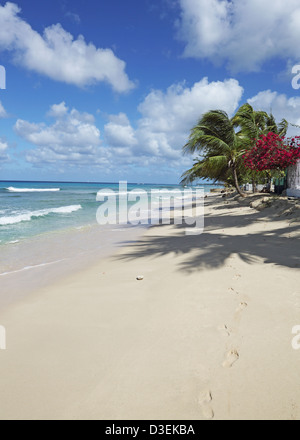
[215, 168]
[252, 124]
[271, 126]
[255, 123]
[220, 145]
[222, 142]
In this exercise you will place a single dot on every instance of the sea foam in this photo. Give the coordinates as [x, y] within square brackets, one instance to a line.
[27, 216]
[22, 190]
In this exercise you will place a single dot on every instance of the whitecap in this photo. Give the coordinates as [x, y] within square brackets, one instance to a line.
[23, 190]
[27, 216]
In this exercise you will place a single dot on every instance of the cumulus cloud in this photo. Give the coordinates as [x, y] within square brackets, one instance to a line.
[167, 117]
[58, 110]
[119, 132]
[281, 106]
[72, 138]
[155, 139]
[58, 55]
[243, 33]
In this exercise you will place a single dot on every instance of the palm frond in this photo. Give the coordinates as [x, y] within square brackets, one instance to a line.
[283, 127]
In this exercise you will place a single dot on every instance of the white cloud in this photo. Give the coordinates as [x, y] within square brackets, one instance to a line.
[152, 142]
[58, 110]
[3, 113]
[73, 137]
[167, 118]
[119, 132]
[181, 106]
[243, 33]
[58, 55]
[281, 106]
[3, 151]
[73, 17]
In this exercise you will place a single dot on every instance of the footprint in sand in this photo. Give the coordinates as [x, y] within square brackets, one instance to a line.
[204, 400]
[225, 328]
[237, 276]
[231, 290]
[242, 306]
[231, 358]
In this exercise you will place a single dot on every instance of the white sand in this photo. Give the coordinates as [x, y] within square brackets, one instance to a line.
[206, 334]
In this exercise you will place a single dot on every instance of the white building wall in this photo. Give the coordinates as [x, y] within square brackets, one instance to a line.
[294, 181]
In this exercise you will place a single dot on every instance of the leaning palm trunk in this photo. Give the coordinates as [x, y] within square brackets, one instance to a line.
[236, 181]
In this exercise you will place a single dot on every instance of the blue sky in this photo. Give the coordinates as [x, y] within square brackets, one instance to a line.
[109, 90]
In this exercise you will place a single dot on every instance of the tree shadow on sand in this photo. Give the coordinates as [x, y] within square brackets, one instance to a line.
[211, 249]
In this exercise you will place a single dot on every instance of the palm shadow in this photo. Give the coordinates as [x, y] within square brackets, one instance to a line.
[214, 247]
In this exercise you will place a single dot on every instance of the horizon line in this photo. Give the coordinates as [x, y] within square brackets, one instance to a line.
[99, 183]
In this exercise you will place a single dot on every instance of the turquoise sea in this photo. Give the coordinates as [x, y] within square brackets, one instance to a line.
[49, 229]
[28, 209]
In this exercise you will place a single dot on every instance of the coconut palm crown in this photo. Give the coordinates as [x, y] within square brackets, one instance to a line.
[215, 138]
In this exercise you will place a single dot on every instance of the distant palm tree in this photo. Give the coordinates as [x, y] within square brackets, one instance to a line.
[221, 146]
[252, 124]
[271, 126]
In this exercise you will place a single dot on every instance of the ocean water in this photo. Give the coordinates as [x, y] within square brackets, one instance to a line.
[49, 230]
[29, 209]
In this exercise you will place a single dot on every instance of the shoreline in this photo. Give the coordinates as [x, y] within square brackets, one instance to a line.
[206, 334]
[34, 263]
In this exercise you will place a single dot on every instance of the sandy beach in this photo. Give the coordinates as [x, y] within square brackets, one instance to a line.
[207, 334]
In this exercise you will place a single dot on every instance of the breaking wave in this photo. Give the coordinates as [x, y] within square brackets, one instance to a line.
[27, 216]
[13, 189]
